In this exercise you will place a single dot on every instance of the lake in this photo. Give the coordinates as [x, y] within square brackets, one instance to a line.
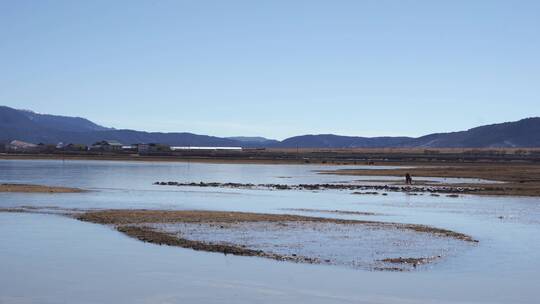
[54, 259]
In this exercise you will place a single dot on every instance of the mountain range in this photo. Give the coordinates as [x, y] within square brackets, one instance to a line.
[44, 128]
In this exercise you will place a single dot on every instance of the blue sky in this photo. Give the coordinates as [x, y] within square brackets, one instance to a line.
[274, 68]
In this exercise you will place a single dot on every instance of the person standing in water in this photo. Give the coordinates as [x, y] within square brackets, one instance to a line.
[408, 179]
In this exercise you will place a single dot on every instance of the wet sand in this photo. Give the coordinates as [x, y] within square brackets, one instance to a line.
[24, 188]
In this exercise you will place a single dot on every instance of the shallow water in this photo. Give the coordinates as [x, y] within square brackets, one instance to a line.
[50, 259]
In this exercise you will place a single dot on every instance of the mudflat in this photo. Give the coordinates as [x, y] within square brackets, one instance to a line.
[287, 237]
[518, 179]
[26, 188]
[126, 217]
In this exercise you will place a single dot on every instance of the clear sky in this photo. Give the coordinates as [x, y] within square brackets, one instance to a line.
[274, 68]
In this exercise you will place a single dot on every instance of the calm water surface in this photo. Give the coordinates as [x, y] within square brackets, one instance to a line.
[51, 259]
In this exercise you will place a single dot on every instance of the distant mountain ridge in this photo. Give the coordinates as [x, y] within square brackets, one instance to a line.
[253, 139]
[44, 128]
[337, 141]
[63, 122]
[521, 133]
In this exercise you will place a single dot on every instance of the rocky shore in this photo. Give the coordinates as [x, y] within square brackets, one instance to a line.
[321, 187]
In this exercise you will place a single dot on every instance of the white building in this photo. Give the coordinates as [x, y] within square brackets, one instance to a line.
[21, 146]
[206, 148]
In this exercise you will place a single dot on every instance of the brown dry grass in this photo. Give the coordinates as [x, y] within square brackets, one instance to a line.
[333, 156]
[135, 157]
[407, 150]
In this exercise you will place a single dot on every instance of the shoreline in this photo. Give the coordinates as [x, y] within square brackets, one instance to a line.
[165, 159]
[511, 179]
[307, 157]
